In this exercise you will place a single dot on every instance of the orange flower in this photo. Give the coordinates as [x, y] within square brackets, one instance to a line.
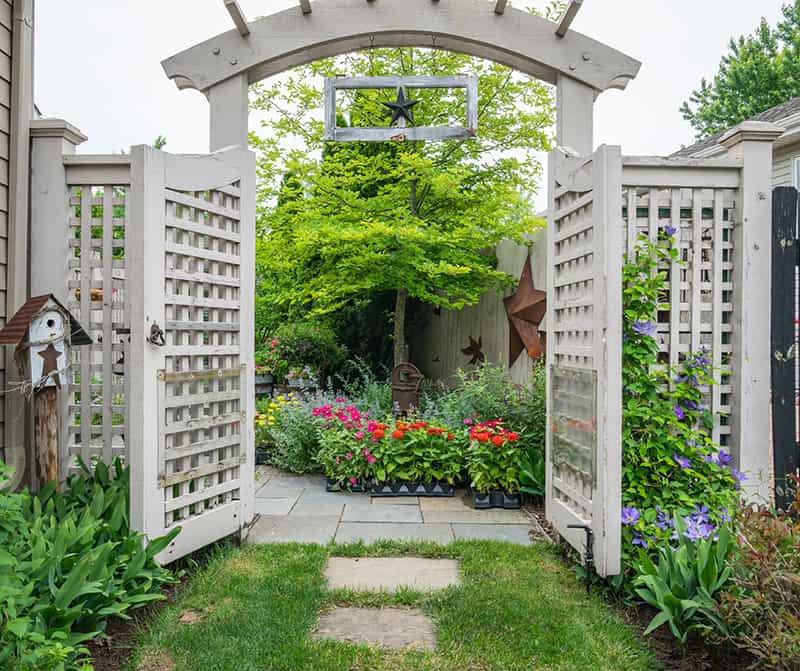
[498, 440]
[482, 437]
[397, 434]
[378, 434]
[402, 425]
[513, 436]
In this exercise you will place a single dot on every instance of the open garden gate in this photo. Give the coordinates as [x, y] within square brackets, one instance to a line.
[584, 352]
[190, 253]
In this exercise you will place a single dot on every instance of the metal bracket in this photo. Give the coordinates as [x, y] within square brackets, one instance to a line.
[589, 553]
[156, 336]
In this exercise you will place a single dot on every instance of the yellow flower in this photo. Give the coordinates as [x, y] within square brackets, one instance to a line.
[262, 423]
[271, 418]
[280, 398]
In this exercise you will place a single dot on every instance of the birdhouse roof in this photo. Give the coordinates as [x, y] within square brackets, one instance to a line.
[17, 327]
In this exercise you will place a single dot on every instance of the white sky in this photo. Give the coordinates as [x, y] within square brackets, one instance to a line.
[99, 67]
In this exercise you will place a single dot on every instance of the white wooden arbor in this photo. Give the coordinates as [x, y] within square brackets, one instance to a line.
[224, 66]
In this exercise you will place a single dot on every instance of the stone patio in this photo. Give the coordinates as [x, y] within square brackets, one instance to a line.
[296, 508]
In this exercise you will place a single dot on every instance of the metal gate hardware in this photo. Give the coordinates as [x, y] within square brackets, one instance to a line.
[156, 336]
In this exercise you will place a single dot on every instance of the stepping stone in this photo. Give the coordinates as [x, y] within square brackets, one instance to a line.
[389, 573]
[274, 506]
[402, 514]
[351, 532]
[492, 516]
[457, 503]
[385, 627]
[395, 500]
[282, 529]
[509, 533]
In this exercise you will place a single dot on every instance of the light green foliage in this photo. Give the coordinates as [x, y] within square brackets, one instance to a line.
[419, 217]
[684, 582]
[291, 440]
[759, 71]
[69, 562]
[532, 473]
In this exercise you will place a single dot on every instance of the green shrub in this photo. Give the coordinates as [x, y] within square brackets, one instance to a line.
[291, 439]
[761, 605]
[69, 562]
[311, 344]
[684, 582]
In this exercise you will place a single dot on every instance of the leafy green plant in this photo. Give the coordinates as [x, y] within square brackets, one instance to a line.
[342, 461]
[69, 561]
[684, 582]
[308, 344]
[761, 604]
[532, 473]
[288, 431]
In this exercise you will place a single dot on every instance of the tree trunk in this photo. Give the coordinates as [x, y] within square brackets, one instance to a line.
[400, 327]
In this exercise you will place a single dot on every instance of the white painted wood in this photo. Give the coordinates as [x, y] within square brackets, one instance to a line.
[289, 38]
[584, 330]
[237, 16]
[228, 100]
[751, 142]
[568, 17]
[574, 115]
[409, 134]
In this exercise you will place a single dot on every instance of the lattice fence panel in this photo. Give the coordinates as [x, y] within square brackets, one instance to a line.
[96, 416]
[700, 286]
[201, 386]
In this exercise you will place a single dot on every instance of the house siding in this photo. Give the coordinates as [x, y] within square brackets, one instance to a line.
[782, 164]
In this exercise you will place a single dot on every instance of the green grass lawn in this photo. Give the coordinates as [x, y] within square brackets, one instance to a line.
[519, 608]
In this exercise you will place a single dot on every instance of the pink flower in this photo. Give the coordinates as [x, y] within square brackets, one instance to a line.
[340, 400]
[353, 481]
[348, 456]
[359, 435]
[371, 459]
[467, 421]
[373, 439]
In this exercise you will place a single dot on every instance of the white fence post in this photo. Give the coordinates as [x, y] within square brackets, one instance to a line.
[751, 141]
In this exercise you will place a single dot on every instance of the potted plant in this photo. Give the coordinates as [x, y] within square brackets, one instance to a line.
[345, 465]
[302, 377]
[494, 464]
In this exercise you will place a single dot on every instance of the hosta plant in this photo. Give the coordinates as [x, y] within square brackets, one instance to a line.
[684, 581]
[494, 458]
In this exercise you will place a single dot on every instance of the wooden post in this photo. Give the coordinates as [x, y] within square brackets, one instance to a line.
[784, 341]
[45, 418]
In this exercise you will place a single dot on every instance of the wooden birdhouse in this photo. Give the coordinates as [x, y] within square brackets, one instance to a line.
[43, 333]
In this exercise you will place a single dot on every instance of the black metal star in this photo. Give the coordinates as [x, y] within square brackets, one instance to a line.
[401, 108]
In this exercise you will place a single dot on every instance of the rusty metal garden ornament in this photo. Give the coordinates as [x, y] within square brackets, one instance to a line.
[475, 351]
[526, 309]
[406, 383]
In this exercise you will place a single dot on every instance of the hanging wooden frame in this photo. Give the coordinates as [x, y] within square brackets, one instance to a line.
[401, 132]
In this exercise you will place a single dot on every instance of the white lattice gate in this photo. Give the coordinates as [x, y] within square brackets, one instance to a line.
[190, 255]
[584, 352]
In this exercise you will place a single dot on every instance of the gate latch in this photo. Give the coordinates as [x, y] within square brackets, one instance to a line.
[589, 553]
[156, 335]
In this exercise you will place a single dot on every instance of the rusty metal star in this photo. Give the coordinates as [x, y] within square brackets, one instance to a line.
[475, 350]
[525, 309]
[50, 365]
[401, 108]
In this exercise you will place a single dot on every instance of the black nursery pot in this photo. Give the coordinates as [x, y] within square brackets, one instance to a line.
[262, 457]
[412, 489]
[332, 485]
[497, 498]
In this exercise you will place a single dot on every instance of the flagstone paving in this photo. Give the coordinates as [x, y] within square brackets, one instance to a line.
[390, 573]
[384, 627]
[296, 508]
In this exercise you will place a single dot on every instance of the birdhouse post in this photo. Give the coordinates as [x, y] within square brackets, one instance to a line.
[44, 333]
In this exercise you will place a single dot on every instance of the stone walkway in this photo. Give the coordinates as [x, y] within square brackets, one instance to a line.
[296, 508]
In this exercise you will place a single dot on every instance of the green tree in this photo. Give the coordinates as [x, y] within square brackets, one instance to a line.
[419, 219]
[759, 71]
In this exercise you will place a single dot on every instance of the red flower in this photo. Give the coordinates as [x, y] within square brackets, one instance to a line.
[482, 437]
[449, 436]
[397, 434]
[513, 436]
[378, 433]
[497, 440]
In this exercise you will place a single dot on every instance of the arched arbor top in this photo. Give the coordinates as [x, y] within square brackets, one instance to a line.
[290, 38]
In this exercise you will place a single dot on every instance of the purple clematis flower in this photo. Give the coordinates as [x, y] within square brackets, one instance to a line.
[646, 328]
[670, 230]
[683, 462]
[680, 413]
[723, 458]
[638, 539]
[738, 475]
[630, 515]
[663, 522]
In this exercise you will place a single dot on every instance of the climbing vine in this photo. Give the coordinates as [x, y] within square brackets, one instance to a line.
[671, 465]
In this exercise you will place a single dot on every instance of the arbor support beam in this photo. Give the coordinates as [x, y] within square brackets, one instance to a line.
[238, 17]
[568, 17]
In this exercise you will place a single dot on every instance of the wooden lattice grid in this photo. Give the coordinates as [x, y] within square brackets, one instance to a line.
[96, 417]
[700, 286]
[201, 387]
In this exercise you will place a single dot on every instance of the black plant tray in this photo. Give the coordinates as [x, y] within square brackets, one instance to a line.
[412, 489]
[262, 457]
[497, 498]
[332, 485]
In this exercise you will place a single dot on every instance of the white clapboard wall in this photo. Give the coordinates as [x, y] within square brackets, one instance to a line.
[584, 351]
[191, 263]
